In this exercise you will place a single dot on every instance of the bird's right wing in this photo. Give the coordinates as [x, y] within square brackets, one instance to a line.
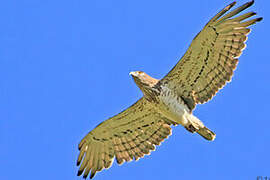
[212, 56]
[126, 136]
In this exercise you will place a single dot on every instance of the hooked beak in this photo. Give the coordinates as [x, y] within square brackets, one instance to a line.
[133, 73]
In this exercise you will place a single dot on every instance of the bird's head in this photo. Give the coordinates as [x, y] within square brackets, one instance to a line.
[142, 79]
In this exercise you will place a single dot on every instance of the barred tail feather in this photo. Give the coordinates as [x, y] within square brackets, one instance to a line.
[206, 134]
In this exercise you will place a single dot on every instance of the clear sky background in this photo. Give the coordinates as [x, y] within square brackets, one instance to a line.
[64, 68]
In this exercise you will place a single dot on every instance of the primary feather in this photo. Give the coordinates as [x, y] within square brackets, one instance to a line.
[205, 68]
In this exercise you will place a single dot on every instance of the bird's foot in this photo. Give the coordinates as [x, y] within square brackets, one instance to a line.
[191, 128]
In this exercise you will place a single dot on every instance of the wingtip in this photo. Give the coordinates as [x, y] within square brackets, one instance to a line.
[85, 176]
[92, 175]
[253, 13]
[79, 173]
[81, 144]
[259, 19]
[231, 5]
[250, 3]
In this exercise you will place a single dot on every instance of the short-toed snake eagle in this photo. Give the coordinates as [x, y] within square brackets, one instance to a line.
[206, 66]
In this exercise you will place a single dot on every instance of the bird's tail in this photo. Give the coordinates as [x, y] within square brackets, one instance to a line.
[196, 125]
[206, 133]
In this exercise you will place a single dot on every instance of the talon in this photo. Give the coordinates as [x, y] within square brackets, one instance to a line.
[191, 128]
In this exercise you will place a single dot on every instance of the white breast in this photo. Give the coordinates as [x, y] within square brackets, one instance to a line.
[172, 106]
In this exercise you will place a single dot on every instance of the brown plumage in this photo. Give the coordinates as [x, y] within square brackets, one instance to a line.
[205, 68]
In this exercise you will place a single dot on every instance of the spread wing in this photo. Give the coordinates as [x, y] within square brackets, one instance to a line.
[212, 56]
[126, 136]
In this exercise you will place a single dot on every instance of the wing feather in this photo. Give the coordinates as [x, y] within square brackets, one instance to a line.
[236, 11]
[127, 136]
[212, 56]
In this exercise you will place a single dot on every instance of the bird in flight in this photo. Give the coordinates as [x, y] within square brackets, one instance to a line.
[205, 68]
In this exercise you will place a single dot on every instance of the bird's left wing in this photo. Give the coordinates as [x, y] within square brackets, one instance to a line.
[126, 136]
[212, 56]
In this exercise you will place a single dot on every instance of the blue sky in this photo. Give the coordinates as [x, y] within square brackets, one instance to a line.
[64, 68]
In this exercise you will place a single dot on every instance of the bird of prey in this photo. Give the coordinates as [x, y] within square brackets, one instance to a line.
[205, 68]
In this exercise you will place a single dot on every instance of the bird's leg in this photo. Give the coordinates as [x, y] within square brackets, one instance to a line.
[191, 128]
